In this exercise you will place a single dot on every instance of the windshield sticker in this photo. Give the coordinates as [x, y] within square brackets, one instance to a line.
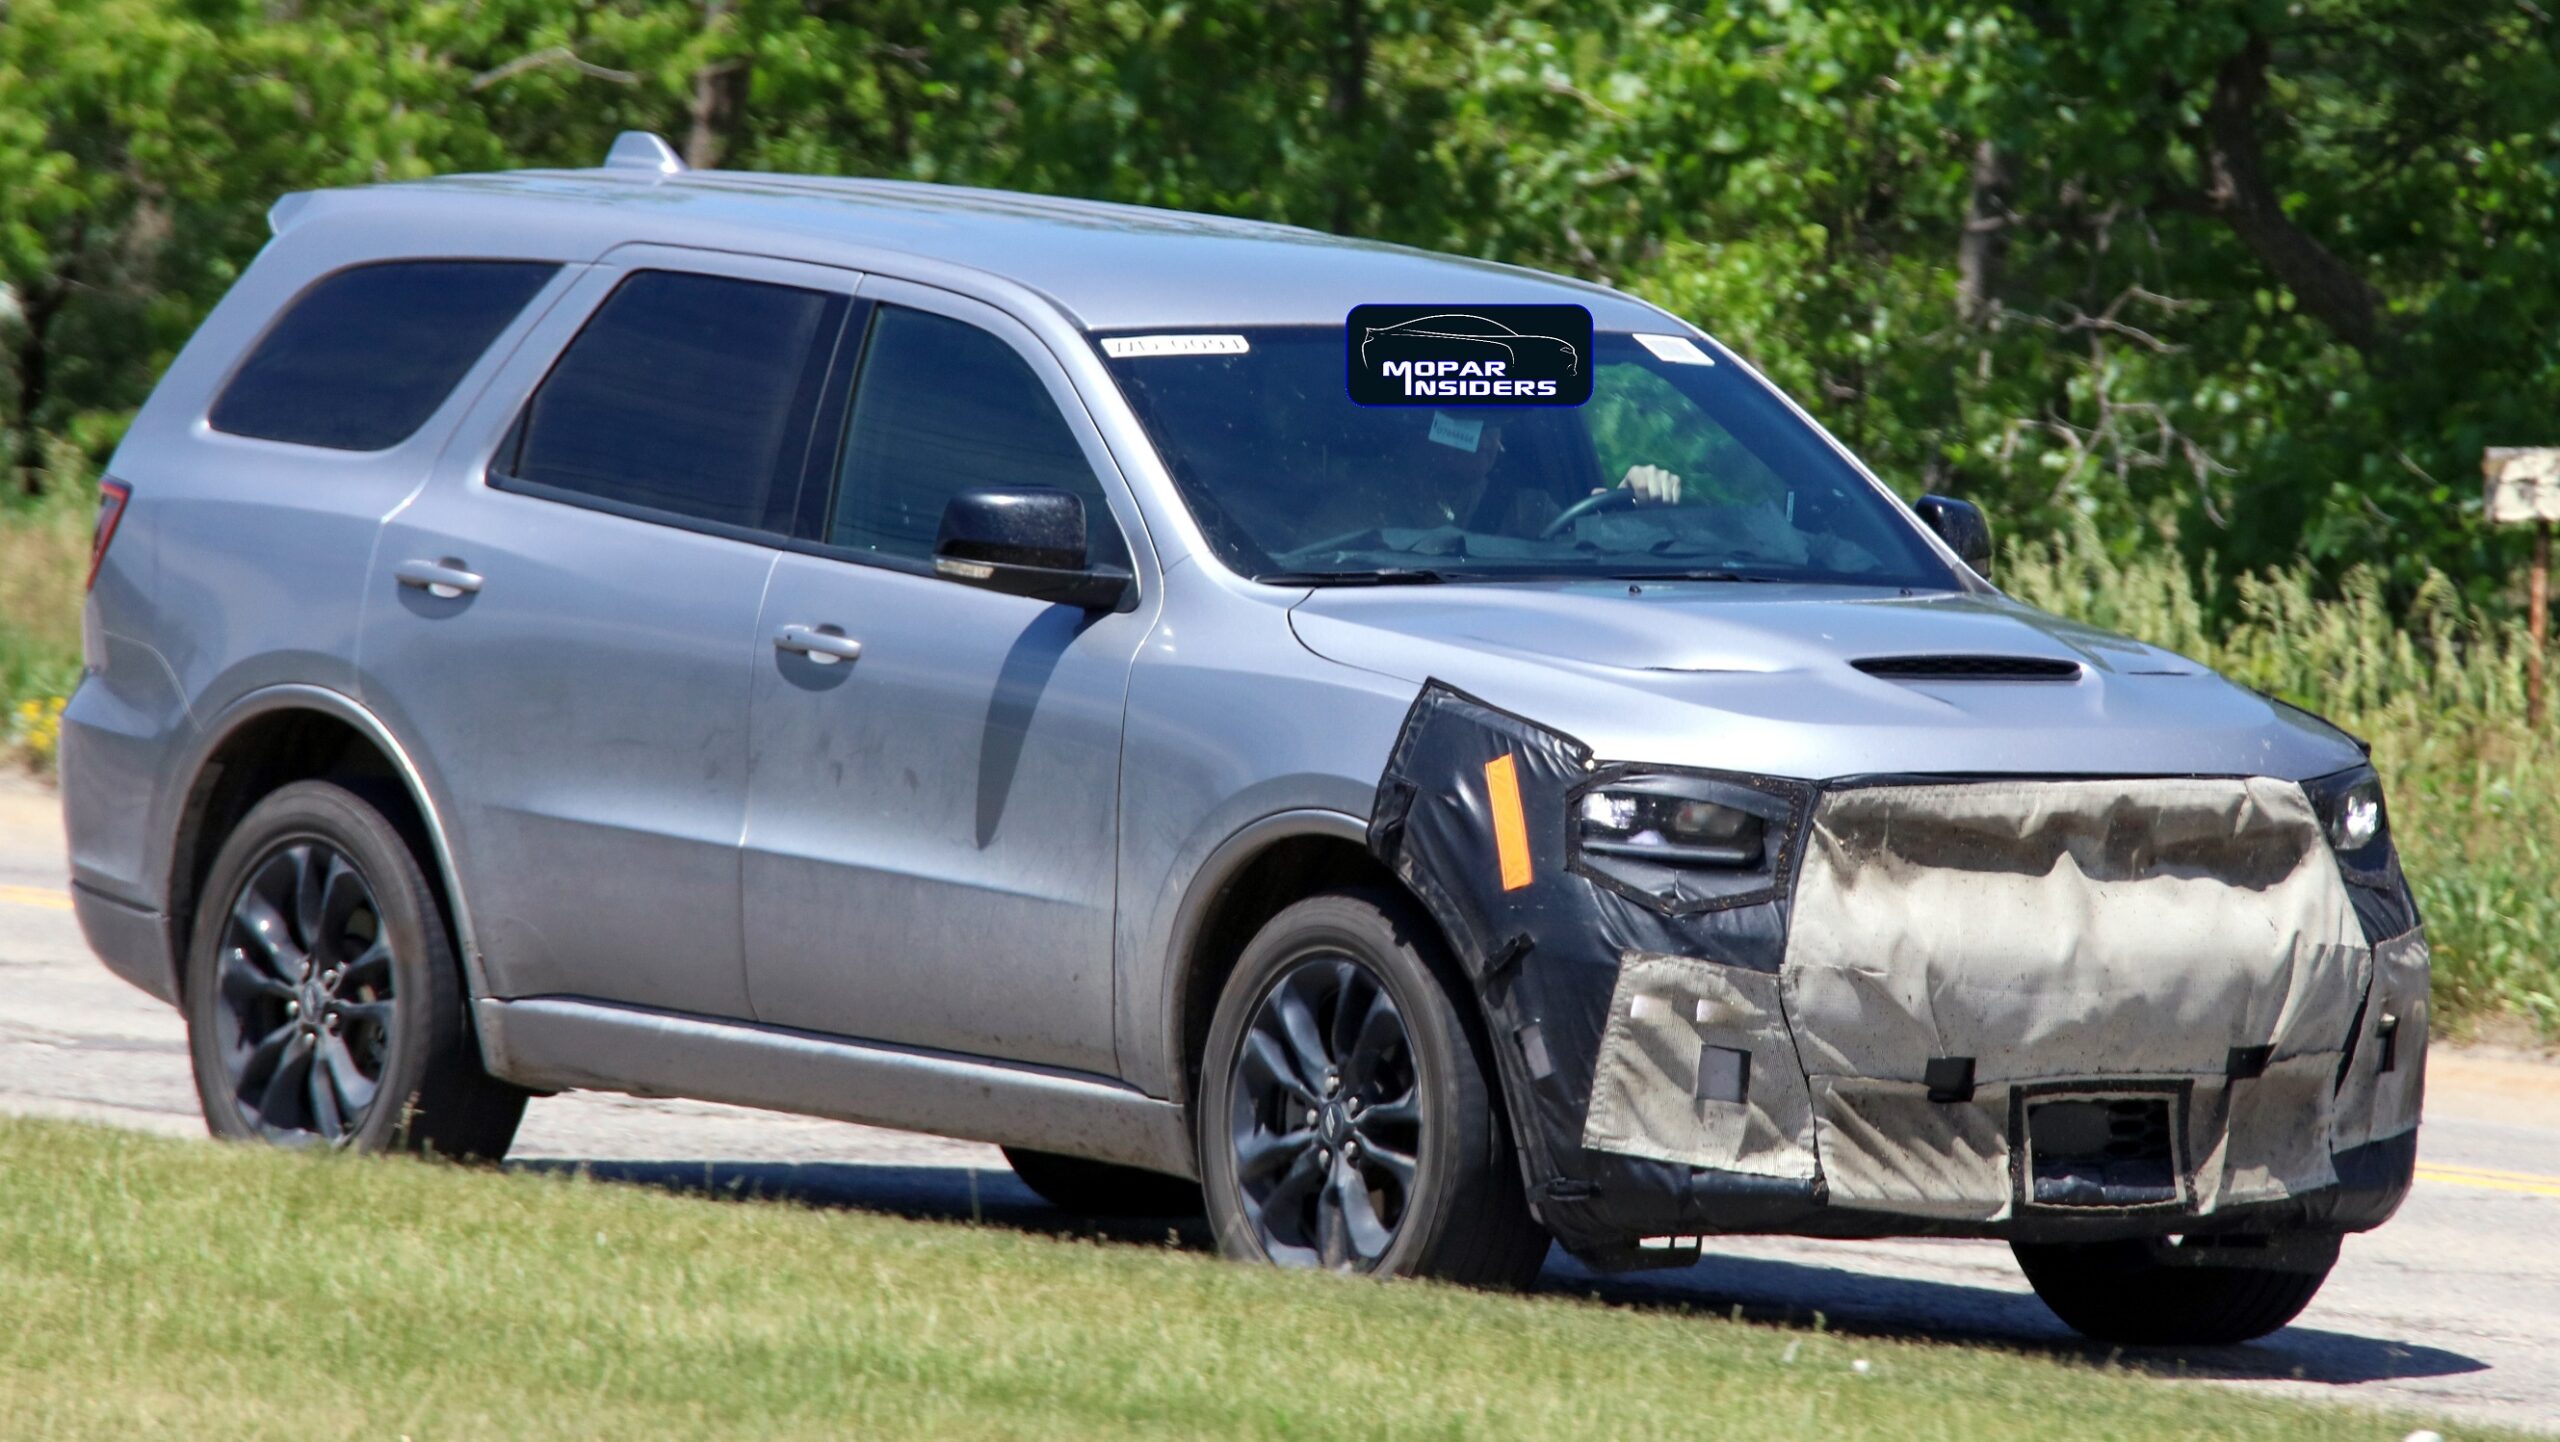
[1122, 347]
[1677, 349]
[1457, 435]
[1481, 355]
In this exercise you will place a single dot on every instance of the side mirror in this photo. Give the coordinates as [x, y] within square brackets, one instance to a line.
[1962, 526]
[1025, 541]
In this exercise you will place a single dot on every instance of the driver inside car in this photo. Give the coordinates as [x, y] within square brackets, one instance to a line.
[1438, 477]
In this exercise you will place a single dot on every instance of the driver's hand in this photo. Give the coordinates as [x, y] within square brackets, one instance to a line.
[1652, 485]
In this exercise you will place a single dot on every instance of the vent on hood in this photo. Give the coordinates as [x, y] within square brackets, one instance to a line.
[1969, 668]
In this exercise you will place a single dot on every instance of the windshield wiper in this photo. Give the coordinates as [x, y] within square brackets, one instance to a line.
[1391, 576]
[1692, 576]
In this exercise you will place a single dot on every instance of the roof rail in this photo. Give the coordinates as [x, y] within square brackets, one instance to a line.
[641, 150]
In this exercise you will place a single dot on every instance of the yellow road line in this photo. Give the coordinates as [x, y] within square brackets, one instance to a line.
[2488, 1179]
[35, 896]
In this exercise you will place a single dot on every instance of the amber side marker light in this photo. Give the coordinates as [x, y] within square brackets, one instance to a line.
[112, 496]
[1510, 827]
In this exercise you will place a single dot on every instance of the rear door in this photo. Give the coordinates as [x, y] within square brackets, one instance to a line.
[560, 619]
[932, 825]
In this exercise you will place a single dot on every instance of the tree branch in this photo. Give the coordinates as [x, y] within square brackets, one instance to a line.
[556, 55]
[2239, 192]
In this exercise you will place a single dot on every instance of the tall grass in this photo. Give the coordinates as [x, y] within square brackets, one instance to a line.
[2436, 687]
[44, 556]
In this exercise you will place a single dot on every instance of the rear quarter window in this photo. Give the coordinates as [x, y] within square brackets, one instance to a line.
[359, 361]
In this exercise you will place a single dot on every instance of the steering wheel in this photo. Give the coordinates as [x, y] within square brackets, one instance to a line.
[1617, 498]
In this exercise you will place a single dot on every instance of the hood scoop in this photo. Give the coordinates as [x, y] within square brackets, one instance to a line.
[1969, 668]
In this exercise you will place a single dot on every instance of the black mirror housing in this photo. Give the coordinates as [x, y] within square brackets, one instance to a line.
[1028, 541]
[1962, 526]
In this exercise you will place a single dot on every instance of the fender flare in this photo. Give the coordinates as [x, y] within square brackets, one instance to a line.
[302, 696]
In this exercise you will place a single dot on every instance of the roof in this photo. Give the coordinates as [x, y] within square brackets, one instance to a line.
[1107, 266]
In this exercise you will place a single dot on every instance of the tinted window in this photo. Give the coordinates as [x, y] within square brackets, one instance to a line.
[686, 394]
[942, 407]
[361, 360]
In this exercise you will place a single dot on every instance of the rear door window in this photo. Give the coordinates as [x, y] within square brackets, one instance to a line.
[685, 396]
[942, 407]
[360, 360]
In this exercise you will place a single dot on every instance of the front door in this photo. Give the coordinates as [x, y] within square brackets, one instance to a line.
[931, 839]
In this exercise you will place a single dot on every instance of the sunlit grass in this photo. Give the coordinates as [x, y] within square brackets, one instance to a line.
[157, 1288]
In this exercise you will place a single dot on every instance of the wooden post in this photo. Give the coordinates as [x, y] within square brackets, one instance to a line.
[2524, 485]
[2538, 596]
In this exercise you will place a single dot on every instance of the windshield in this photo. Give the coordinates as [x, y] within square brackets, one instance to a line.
[1675, 468]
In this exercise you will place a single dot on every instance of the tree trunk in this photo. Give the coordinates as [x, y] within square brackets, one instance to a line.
[2240, 192]
[1348, 103]
[1984, 246]
[719, 102]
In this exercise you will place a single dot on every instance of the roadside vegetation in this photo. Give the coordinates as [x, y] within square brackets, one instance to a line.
[158, 1288]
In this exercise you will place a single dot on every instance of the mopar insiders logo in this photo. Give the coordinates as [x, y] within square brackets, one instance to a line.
[1483, 355]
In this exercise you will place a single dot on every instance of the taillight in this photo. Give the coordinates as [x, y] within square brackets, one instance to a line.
[111, 498]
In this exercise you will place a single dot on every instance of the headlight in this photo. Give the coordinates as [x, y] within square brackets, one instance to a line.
[1682, 840]
[2349, 805]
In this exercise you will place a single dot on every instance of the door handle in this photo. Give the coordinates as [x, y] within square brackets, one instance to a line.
[445, 579]
[825, 645]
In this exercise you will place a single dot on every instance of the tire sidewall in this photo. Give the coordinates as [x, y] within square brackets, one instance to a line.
[1377, 940]
[326, 813]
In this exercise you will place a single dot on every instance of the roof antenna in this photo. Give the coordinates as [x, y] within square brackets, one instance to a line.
[641, 150]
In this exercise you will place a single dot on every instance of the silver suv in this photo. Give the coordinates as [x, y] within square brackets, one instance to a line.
[960, 661]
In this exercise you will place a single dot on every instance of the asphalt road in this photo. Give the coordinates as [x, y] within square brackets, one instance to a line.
[2452, 1310]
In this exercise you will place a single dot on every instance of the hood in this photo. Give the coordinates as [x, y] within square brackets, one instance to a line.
[1766, 678]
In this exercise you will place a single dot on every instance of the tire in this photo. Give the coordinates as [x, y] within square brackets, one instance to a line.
[316, 873]
[2122, 1292]
[1100, 1189]
[1408, 1170]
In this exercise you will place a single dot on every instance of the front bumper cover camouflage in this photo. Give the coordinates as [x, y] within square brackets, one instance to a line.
[1854, 1048]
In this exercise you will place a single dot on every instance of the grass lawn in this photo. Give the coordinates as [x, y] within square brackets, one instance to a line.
[154, 1288]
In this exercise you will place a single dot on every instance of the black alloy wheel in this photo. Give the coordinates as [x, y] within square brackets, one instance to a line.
[1348, 1115]
[324, 997]
[1327, 1117]
[306, 1011]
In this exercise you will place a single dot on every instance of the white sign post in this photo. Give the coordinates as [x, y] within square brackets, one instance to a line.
[2524, 486]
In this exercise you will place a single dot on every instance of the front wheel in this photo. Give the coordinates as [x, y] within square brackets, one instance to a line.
[2133, 1294]
[1348, 1117]
[324, 1003]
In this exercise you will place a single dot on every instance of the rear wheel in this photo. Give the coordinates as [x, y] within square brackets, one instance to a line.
[1100, 1189]
[1348, 1117]
[2125, 1292]
[324, 1002]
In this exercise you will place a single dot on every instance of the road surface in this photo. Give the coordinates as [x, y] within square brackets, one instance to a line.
[2451, 1310]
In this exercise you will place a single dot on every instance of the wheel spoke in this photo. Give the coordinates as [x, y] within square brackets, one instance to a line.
[1403, 1111]
[369, 968]
[1333, 1226]
[244, 980]
[372, 1013]
[321, 1094]
[269, 936]
[1263, 1153]
[288, 1079]
[1397, 1165]
[1380, 1036]
[1306, 1040]
[1351, 991]
[342, 894]
[1266, 1064]
[1366, 1235]
[355, 1090]
[309, 876]
[258, 1066]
